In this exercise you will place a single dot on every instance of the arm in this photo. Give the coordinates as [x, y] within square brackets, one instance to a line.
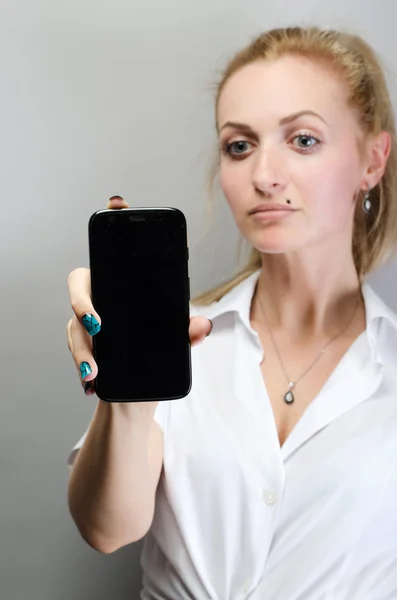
[113, 481]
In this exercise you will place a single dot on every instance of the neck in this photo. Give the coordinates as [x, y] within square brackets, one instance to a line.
[306, 303]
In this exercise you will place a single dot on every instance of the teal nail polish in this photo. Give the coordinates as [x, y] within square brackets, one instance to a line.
[85, 369]
[91, 324]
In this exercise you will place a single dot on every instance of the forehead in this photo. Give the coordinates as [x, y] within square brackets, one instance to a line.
[277, 88]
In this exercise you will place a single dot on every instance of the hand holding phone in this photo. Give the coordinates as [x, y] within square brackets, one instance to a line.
[80, 344]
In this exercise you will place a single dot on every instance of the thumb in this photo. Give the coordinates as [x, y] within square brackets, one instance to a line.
[117, 202]
[199, 329]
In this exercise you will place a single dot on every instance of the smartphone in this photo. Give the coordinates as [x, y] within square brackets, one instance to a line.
[140, 288]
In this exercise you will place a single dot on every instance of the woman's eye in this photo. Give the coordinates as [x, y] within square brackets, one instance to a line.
[236, 148]
[306, 138]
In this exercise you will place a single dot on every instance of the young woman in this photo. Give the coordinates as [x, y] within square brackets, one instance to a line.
[276, 478]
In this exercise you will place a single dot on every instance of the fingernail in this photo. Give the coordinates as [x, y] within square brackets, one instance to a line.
[116, 198]
[91, 324]
[212, 326]
[85, 369]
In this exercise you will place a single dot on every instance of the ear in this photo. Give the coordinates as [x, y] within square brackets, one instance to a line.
[378, 150]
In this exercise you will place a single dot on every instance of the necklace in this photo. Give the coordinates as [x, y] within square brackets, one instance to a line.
[289, 396]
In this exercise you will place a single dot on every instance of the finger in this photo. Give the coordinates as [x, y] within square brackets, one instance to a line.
[117, 202]
[73, 340]
[199, 329]
[87, 386]
[79, 283]
[80, 344]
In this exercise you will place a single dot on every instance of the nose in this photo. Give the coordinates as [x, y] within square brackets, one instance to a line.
[266, 175]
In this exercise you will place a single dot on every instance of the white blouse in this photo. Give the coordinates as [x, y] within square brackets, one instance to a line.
[239, 518]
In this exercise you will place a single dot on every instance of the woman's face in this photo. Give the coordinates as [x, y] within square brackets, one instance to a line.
[313, 161]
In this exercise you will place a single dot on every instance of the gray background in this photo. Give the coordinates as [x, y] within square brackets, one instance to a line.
[101, 98]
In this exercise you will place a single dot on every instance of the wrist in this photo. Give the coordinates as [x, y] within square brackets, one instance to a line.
[132, 411]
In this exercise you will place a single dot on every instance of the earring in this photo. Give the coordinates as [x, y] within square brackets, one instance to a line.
[367, 204]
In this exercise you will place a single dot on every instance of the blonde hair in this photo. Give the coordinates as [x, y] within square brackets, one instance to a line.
[360, 68]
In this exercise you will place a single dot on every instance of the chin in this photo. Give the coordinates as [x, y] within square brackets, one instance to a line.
[281, 249]
[273, 242]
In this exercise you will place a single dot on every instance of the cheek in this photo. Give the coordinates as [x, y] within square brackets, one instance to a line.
[333, 191]
[234, 183]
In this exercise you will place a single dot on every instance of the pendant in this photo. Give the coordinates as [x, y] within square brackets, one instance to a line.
[289, 396]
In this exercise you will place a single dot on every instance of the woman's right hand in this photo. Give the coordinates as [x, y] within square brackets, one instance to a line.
[86, 321]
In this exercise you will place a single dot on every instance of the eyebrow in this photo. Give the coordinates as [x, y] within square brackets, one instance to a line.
[283, 121]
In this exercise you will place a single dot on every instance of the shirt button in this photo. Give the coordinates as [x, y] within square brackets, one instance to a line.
[269, 497]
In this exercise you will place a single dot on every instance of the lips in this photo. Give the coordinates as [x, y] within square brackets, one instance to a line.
[270, 207]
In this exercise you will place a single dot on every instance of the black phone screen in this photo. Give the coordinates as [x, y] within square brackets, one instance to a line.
[140, 289]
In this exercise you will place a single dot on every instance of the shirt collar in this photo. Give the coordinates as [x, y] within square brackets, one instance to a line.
[239, 300]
